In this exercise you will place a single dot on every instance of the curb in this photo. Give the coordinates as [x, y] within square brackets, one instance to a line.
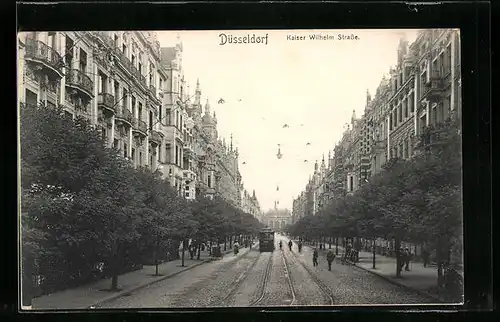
[138, 287]
[122, 293]
[392, 281]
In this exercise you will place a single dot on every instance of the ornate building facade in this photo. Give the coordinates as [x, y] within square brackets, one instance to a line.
[250, 204]
[135, 93]
[113, 79]
[277, 219]
[201, 163]
[423, 89]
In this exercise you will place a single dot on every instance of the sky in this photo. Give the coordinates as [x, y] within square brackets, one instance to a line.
[313, 86]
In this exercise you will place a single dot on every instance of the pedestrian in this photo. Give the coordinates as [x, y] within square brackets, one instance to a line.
[330, 256]
[290, 244]
[300, 246]
[315, 257]
[407, 259]
[425, 256]
[402, 259]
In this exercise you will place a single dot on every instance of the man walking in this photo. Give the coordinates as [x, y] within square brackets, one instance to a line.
[330, 256]
[290, 244]
[315, 257]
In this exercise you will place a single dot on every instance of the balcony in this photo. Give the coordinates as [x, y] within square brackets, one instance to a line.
[40, 53]
[124, 116]
[433, 89]
[188, 175]
[139, 127]
[105, 38]
[188, 150]
[155, 138]
[77, 80]
[123, 60]
[107, 102]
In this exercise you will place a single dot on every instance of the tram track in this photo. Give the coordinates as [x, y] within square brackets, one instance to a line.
[265, 279]
[289, 278]
[238, 282]
[327, 293]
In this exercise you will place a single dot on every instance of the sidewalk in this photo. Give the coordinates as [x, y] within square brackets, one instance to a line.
[97, 293]
[419, 279]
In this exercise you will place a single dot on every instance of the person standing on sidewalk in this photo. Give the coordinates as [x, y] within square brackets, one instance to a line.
[330, 256]
[290, 244]
[315, 257]
[407, 259]
[425, 256]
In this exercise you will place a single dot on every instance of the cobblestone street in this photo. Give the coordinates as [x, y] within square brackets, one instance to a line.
[281, 278]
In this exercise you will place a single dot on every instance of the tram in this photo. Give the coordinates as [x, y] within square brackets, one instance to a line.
[266, 240]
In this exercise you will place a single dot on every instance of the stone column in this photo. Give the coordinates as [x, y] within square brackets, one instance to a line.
[416, 104]
[112, 136]
[453, 66]
[388, 135]
[146, 150]
[129, 152]
[62, 91]
[20, 73]
[427, 112]
[93, 104]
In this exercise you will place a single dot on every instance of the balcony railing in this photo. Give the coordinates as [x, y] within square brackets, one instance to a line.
[124, 115]
[78, 79]
[152, 89]
[105, 38]
[155, 137]
[107, 101]
[433, 88]
[139, 126]
[37, 50]
[124, 61]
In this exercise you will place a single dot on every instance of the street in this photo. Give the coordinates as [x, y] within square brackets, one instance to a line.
[281, 278]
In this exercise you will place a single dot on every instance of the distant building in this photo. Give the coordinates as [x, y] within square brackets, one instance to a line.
[277, 219]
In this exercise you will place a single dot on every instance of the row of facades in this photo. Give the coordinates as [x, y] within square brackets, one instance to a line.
[135, 93]
[423, 89]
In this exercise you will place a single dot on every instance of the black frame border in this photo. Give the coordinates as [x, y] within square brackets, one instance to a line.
[473, 19]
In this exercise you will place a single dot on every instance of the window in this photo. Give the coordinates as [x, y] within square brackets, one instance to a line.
[51, 40]
[440, 113]
[83, 60]
[124, 49]
[168, 151]
[351, 183]
[140, 158]
[209, 181]
[151, 160]
[133, 60]
[103, 133]
[167, 117]
[140, 111]
[150, 120]
[180, 125]
[160, 116]
[410, 102]
[31, 98]
[177, 155]
[125, 150]
[116, 91]
[133, 154]
[115, 143]
[400, 113]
